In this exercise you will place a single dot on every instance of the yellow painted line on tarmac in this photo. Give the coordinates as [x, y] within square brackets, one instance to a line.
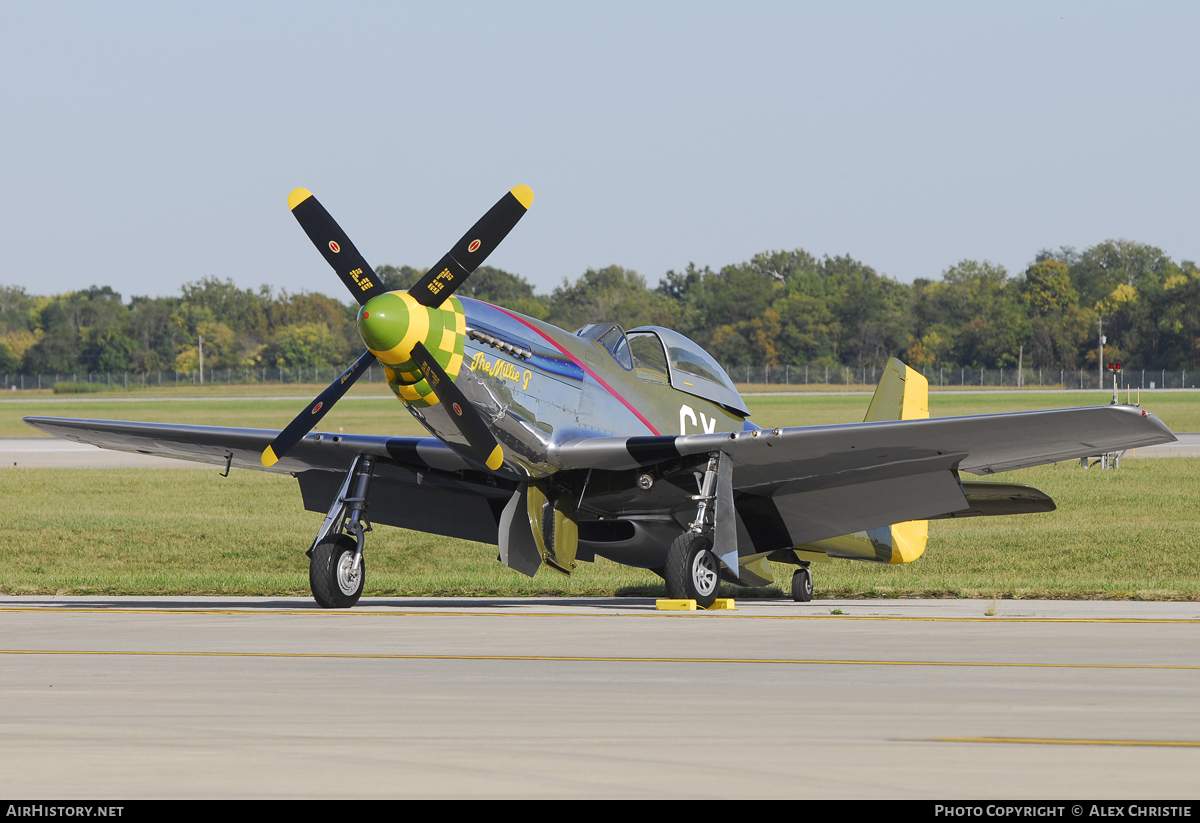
[592, 659]
[629, 611]
[1057, 741]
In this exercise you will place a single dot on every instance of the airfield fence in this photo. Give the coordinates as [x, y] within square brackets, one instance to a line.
[101, 381]
[960, 377]
[785, 375]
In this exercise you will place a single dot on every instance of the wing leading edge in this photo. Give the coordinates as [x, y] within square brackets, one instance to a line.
[243, 447]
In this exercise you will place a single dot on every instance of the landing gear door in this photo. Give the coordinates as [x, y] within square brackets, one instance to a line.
[725, 537]
[552, 522]
[518, 550]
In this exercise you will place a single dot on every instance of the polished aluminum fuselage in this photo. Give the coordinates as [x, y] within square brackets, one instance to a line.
[557, 388]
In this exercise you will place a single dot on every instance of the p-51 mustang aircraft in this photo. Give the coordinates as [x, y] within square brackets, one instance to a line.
[630, 445]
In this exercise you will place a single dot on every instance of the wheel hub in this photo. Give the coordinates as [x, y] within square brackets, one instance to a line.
[348, 577]
[705, 576]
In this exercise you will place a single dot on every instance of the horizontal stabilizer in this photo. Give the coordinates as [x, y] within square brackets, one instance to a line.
[989, 499]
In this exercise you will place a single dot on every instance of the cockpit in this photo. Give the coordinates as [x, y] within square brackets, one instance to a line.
[611, 337]
[661, 355]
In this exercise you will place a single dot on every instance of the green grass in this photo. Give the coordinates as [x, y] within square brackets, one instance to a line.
[368, 411]
[78, 388]
[355, 414]
[1128, 533]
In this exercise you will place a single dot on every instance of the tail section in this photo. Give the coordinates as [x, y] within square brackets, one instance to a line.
[902, 394]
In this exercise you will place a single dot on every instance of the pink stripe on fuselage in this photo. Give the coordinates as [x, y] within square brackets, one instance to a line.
[576, 361]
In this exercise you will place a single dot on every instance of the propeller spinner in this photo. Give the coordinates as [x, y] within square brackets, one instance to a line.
[418, 336]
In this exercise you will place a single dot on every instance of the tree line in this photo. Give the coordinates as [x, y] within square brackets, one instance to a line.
[785, 307]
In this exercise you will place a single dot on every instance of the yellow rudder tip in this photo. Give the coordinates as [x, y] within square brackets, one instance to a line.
[297, 197]
[495, 458]
[268, 457]
[524, 195]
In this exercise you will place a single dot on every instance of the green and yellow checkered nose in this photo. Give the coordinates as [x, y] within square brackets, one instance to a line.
[392, 323]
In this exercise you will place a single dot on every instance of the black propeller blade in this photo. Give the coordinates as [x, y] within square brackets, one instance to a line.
[312, 415]
[468, 421]
[468, 253]
[433, 289]
[335, 246]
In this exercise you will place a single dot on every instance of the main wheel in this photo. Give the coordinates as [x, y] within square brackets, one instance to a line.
[331, 575]
[802, 587]
[693, 572]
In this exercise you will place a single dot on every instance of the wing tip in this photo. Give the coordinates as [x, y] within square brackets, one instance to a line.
[297, 197]
[524, 195]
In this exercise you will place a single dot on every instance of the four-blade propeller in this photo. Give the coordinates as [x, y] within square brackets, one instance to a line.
[399, 331]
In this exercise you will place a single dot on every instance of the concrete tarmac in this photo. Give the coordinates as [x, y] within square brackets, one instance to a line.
[539, 697]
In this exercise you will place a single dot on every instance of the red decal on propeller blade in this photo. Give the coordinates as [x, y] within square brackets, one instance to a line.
[334, 247]
[317, 408]
[474, 246]
[457, 409]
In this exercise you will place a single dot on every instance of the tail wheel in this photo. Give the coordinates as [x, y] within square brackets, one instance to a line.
[802, 585]
[334, 582]
[693, 572]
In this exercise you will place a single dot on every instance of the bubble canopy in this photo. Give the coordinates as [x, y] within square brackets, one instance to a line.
[694, 371]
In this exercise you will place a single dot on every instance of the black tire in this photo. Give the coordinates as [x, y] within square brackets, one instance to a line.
[331, 589]
[802, 585]
[692, 572]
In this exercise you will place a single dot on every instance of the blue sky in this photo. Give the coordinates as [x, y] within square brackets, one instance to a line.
[146, 145]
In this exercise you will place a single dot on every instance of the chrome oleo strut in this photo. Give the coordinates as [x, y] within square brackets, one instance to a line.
[715, 512]
[708, 492]
[348, 511]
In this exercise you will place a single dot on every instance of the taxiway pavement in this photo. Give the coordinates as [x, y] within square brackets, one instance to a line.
[540, 697]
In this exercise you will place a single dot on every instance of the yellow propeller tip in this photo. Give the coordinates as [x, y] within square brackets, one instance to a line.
[268, 457]
[298, 196]
[524, 195]
[495, 458]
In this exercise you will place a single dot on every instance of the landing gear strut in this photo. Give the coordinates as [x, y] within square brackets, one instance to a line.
[336, 569]
[693, 569]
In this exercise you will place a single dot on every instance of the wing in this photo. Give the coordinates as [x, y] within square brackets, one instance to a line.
[217, 444]
[419, 482]
[799, 485]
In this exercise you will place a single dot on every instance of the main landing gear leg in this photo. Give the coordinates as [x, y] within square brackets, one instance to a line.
[336, 569]
[693, 570]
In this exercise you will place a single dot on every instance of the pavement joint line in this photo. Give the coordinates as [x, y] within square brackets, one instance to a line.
[596, 659]
[1057, 741]
[647, 612]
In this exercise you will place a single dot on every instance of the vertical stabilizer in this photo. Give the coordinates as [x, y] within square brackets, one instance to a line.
[902, 394]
